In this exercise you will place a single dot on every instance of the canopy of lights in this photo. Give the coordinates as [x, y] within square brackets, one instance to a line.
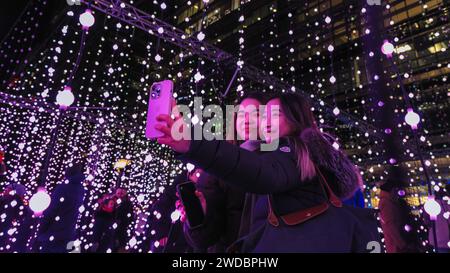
[76, 75]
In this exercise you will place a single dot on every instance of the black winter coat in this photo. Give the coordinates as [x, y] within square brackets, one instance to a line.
[276, 174]
[223, 215]
[66, 200]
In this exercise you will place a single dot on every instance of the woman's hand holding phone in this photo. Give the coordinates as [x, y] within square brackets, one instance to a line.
[181, 146]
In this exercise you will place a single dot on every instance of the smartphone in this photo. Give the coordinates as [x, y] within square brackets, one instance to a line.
[159, 102]
[191, 203]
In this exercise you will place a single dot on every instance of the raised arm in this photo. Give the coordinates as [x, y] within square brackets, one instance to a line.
[263, 173]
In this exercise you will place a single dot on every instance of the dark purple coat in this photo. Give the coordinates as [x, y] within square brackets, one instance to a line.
[276, 174]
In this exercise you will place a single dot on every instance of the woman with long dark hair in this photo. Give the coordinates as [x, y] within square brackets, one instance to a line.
[224, 203]
[302, 183]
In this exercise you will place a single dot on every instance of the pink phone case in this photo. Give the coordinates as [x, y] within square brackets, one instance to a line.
[159, 102]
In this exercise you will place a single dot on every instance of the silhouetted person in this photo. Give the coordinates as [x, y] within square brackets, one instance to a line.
[103, 233]
[395, 215]
[12, 210]
[441, 223]
[59, 220]
[168, 235]
[124, 217]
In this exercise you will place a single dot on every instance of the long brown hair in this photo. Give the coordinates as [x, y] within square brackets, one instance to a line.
[298, 113]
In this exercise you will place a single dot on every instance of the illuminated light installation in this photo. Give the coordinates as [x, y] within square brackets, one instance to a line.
[86, 19]
[102, 143]
[190, 167]
[65, 98]
[432, 207]
[40, 201]
[387, 48]
[412, 118]
[171, 34]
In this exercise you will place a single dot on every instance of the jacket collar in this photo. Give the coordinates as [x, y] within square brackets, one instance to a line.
[251, 145]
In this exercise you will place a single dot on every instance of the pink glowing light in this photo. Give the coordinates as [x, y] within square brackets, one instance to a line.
[65, 98]
[432, 207]
[87, 20]
[387, 48]
[412, 118]
[40, 201]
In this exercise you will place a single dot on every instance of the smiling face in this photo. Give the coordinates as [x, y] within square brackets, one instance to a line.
[247, 119]
[274, 121]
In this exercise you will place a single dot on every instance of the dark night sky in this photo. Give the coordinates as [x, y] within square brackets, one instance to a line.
[9, 12]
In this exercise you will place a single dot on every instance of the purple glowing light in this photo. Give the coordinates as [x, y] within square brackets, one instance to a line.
[201, 36]
[336, 111]
[141, 198]
[432, 207]
[387, 48]
[412, 118]
[190, 167]
[176, 214]
[335, 145]
[40, 201]
[65, 98]
[401, 193]
[332, 79]
[87, 20]
[198, 77]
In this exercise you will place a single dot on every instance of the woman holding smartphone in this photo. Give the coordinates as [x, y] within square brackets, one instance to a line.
[302, 183]
[224, 203]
